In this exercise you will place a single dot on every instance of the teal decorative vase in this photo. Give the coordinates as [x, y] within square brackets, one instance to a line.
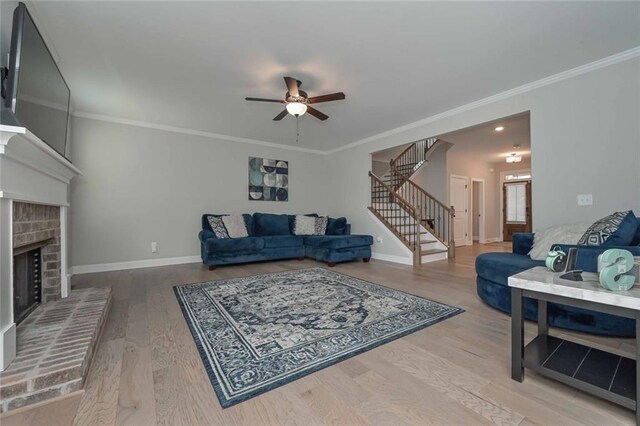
[616, 264]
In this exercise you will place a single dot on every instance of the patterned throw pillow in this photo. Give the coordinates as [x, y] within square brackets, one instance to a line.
[320, 225]
[217, 225]
[600, 231]
[304, 225]
[236, 227]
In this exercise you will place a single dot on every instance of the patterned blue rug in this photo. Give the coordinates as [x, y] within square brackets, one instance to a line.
[257, 333]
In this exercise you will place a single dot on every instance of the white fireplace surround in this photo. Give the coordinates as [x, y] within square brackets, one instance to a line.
[31, 172]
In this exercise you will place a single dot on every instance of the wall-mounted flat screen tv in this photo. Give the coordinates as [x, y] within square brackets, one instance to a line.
[37, 94]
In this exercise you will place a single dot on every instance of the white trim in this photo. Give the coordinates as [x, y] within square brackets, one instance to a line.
[501, 194]
[468, 241]
[555, 78]
[192, 132]
[482, 222]
[7, 345]
[491, 240]
[31, 199]
[134, 264]
[391, 258]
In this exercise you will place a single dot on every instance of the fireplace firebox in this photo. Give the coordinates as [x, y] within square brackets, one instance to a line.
[27, 283]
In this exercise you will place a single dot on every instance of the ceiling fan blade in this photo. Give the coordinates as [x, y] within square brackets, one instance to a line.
[317, 114]
[292, 86]
[326, 98]
[279, 101]
[281, 115]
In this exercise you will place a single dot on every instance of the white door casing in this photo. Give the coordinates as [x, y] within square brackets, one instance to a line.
[459, 196]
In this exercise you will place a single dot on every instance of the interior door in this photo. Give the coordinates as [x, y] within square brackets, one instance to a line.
[459, 195]
[516, 208]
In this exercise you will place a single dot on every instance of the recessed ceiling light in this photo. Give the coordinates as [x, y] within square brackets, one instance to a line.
[499, 128]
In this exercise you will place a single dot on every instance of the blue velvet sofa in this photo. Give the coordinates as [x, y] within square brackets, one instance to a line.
[494, 269]
[271, 237]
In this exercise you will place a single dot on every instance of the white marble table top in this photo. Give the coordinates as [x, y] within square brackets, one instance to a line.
[540, 279]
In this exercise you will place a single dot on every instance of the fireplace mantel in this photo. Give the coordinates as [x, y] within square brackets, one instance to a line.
[31, 172]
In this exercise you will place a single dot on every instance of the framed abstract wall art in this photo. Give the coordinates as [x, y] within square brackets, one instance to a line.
[268, 179]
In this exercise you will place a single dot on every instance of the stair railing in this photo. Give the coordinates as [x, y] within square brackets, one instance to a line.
[411, 158]
[382, 195]
[435, 216]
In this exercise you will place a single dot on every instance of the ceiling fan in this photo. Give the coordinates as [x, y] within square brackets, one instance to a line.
[298, 102]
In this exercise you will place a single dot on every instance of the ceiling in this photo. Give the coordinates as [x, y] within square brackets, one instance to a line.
[484, 143]
[190, 64]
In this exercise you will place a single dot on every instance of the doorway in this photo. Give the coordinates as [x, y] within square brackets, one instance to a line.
[516, 198]
[477, 210]
[459, 196]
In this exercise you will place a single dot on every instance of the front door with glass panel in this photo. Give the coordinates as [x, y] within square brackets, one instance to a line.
[516, 208]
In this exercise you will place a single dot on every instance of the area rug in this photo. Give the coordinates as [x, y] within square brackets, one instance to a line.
[258, 333]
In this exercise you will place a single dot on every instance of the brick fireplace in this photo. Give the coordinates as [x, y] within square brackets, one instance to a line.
[36, 225]
[34, 203]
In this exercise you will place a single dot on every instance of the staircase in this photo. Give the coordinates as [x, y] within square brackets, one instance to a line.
[419, 220]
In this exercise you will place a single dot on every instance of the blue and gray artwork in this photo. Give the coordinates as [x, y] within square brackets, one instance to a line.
[268, 179]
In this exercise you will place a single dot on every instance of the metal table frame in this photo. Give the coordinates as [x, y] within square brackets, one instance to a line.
[522, 356]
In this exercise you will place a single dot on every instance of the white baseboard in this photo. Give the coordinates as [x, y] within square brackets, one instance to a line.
[391, 258]
[7, 346]
[134, 264]
[491, 240]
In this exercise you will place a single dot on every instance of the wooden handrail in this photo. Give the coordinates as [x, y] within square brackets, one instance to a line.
[395, 160]
[420, 189]
[393, 193]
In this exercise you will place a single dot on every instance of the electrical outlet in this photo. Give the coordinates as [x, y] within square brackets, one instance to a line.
[585, 199]
[154, 247]
[379, 240]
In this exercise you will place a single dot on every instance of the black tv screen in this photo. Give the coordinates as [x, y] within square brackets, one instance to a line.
[37, 94]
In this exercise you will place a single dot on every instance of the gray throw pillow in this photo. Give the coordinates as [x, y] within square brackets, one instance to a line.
[217, 225]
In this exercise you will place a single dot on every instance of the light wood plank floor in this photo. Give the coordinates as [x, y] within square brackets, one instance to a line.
[147, 370]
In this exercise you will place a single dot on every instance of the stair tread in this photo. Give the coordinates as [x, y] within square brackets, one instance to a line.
[433, 251]
[428, 241]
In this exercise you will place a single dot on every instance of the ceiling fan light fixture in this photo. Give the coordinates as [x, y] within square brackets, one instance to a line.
[296, 108]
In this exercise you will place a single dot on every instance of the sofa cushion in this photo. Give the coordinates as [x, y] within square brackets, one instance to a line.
[234, 245]
[336, 226]
[276, 241]
[270, 224]
[498, 267]
[617, 229]
[338, 241]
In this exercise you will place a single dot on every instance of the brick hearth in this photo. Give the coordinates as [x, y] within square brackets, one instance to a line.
[55, 347]
[33, 223]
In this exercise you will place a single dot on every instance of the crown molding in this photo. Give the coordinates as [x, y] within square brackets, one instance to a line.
[191, 132]
[574, 72]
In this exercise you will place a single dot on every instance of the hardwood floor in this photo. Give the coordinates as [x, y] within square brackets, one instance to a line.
[147, 370]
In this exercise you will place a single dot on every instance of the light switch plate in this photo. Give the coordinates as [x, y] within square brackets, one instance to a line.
[585, 199]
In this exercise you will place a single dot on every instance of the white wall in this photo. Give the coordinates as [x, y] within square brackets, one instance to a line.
[585, 138]
[432, 176]
[142, 185]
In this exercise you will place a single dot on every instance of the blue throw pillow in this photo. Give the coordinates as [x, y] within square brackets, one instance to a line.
[636, 239]
[618, 229]
[336, 226]
[270, 224]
